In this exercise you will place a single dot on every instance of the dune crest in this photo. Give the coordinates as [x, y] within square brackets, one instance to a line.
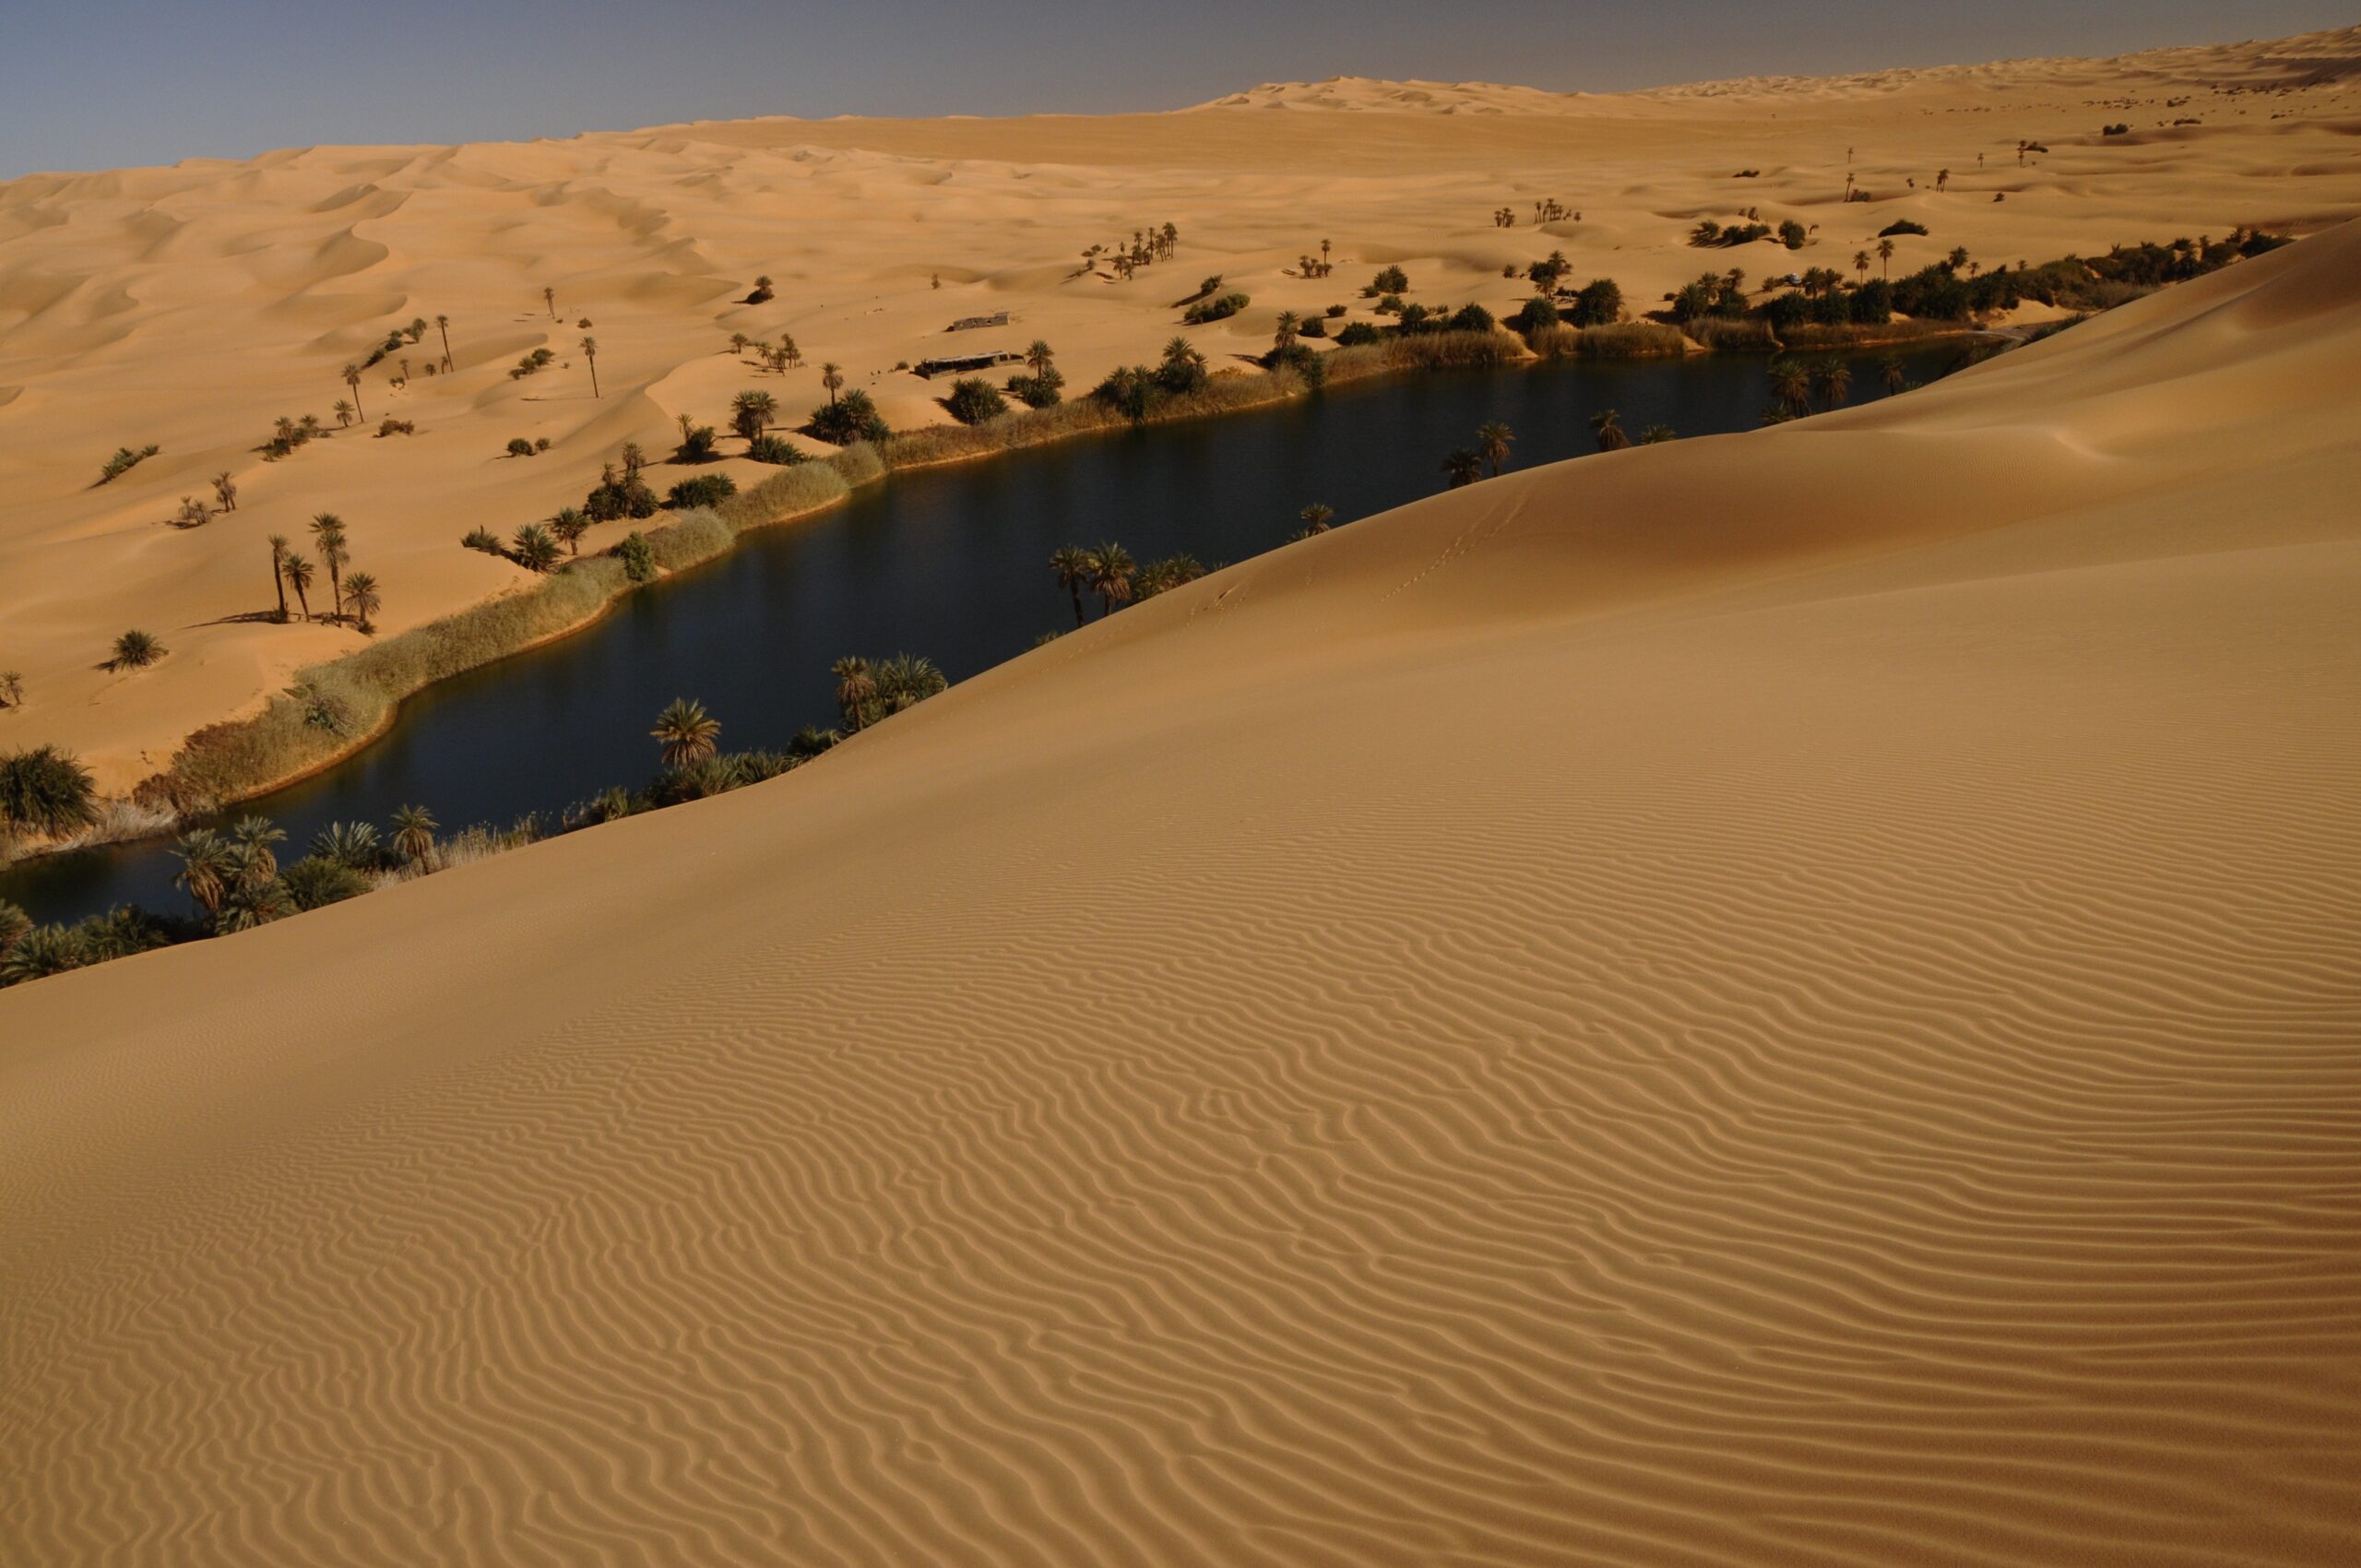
[1784, 998]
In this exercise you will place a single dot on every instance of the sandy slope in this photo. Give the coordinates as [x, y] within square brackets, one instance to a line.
[191, 306]
[1785, 998]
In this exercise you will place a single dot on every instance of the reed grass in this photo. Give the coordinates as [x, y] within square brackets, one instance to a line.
[1751, 336]
[1622, 340]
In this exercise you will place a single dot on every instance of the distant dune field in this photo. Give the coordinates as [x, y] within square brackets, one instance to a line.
[1780, 999]
[193, 306]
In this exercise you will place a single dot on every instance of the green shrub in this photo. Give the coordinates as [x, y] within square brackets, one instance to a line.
[1901, 226]
[1357, 334]
[1389, 280]
[639, 561]
[518, 447]
[1040, 391]
[317, 881]
[45, 791]
[1215, 309]
[776, 450]
[484, 539]
[1792, 234]
[699, 443]
[703, 490]
[973, 400]
[125, 458]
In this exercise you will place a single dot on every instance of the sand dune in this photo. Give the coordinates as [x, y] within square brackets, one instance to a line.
[1781, 998]
[192, 306]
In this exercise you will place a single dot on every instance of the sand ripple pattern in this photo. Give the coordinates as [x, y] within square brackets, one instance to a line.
[1862, 1074]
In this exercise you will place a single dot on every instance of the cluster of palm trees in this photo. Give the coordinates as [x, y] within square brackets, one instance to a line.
[1488, 458]
[1794, 384]
[780, 357]
[1110, 572]
[1147, 245]
[1311, 268]
[352, 595]
[235, 877]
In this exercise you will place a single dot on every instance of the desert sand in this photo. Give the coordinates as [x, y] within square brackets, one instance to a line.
[192, 306]
[1785, 998]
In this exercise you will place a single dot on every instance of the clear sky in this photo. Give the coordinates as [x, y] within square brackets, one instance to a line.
[151, 81]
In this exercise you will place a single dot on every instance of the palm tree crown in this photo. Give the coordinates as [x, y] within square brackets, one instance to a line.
[686, 732]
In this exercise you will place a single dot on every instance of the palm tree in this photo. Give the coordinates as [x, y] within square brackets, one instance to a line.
[1885, 258]
[1610, 434]
[360, 592]
[352, 379]
[749, 411]
[1289, 324]
[414, 834]
[14, 925]
[297, 573]
[327, 532]
[1835, 380]
[1942, 179]
[1958, 258]
[1861, 264]
[1654, 433]
[686, 732]
[1072, 565]
[832, 376]
[854, 686]
[278, 572]
[225, 491]
[1890, 371]
[1463, 464]
[1315, 517]
[343, 412]
[1323, 257]
[548, 298]
[1791, 384]
[590, 357]
[443, 325]
[534, 548]
[1112, 567]
[208, 865]
[635, 457]
[1492, 443]
[1037, 356]
[255, 865]
[569, 525]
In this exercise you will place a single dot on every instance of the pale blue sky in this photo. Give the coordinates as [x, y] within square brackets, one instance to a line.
[150, 81]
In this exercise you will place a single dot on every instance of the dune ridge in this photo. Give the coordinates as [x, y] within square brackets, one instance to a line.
[1781, 998]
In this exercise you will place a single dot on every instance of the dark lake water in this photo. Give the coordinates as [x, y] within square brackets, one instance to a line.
[951, 563]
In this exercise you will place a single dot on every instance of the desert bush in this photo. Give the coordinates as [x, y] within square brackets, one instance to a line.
[136, 651]
[484, 539]
[125, 458]
[1389, 280]
[317, 881]
[45, 792]
[775, 450]
[1358, 334]
[1792, 234]
[1215, 309]
[973, 400]
[703, 490]
[1901, 226]
[1037, 391]
[395, 427]
[518, 447]
[639, 559]
[852, 416]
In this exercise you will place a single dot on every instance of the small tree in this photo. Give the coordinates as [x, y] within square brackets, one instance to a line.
[638, 557]
[1315, 517]
[352, 380]
[136, 651]
[1462, 465]
[568, 526]
[535, 549]
[361, 594]
[225, 491]
[591, 358]
[685, 734]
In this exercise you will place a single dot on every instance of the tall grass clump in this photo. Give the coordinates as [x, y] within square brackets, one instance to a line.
[1724, 335]
[1627, 340]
